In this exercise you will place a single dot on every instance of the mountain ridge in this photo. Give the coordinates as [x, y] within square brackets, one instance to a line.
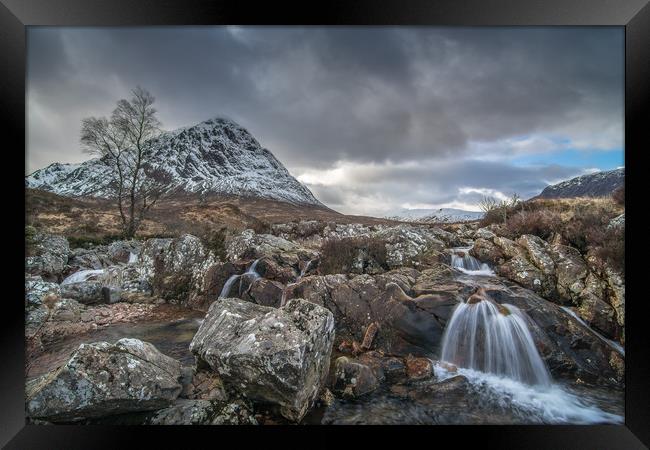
[598, 184]
[216, 156]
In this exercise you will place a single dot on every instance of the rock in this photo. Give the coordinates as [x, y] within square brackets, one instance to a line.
[352, 378]
[485, 250]
[571, 271]
[176, 268]
[102, 379]
[50, 255]
[86, 292]
[617, 222]
[277, 356]
[369, 335]
[418, 368]
[205, 385]
[38, 295]
[87, 259]
[537, 250]
[484, 233]
[120, 251]
[203, 412]
[599, 315]
[265, 292]
[405, 244]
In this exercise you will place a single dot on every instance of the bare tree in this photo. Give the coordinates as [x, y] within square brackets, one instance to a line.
[124, 144]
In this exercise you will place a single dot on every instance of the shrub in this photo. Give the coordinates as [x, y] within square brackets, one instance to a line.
[619, 196]
[30, 244]
[339, 255]
[83, 241]
[612, 248]
[541, 223]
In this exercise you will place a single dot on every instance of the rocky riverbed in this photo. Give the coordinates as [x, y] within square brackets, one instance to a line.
[317, 322]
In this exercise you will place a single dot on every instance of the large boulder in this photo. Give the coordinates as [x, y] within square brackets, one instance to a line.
[353, 378]
[175, 268]
[202, 412]
[102, 379]
[38, 294]
[49, 256]
[124, 251]
[571, 271]
[275, 356]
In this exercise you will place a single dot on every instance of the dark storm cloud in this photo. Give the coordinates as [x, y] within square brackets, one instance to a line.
[317, 96]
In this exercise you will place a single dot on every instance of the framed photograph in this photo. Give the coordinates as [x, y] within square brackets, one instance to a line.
[259, 218]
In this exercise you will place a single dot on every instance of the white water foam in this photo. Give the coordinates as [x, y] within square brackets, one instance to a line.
[552, 404]
[81, 276]
[466, 263]
[249, 273]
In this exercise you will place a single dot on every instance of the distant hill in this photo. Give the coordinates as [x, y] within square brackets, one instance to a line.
[439, 215]
[599, 184]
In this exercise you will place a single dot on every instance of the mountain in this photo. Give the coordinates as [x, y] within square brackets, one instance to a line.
[441, 215]
[599, 184]
[213, 157]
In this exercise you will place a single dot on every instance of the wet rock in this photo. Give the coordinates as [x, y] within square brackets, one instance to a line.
[103, 379]
[352, 378]
[418, 368]
[485, 250]
[277, 356]
[87, 259]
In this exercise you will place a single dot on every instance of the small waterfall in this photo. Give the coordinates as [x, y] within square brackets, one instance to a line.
[463, 261]
[613, 344]
[249, 273]
[487, 337]
[81, 276]
[133, 258]
[286, 288]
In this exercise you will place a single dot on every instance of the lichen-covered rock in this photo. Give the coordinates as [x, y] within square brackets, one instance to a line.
[486, 250]
[38, 294]
[86, 292]
[122, 251]
[175, 268]
[484, 233]
[537, 250]
[404, 244]
[102, 379]
[571, 271]
[50, 256]
[265, 292]
[203, 412]
[277, 356]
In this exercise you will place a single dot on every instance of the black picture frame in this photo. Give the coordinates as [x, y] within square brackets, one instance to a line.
[634, 15]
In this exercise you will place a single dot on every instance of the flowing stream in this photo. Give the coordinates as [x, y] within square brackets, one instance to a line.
[229, 283]
[82, 275]
[286, 288]
[466, 263]
[491, 346]
[613, 344]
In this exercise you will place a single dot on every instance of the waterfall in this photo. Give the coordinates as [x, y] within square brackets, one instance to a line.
[302, 273]
[487, 337]
[133, 258]
[463, 261]
[249, 273]
[82, 275]
[615, 345]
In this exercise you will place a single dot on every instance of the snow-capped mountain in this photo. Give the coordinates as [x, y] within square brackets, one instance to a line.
[598, 184]
[441, 215]
[214, 157]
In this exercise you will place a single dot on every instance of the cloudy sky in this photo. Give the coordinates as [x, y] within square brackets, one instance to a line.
[371, 119]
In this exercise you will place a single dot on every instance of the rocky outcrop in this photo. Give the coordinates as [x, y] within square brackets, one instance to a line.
[49, 256]
[175, 268]
[102, 379]
[276, 356]
[405, 324]
[559, 273]
[203, 412]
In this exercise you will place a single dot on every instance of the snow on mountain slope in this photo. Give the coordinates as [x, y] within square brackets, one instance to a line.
[599, 184]
[214, 157]
[441, 215]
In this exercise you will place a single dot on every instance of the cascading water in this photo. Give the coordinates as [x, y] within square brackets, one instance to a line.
[493, 338]
[615, 345]
[491, 345]
[286, 288]
[81, 276]
[249, 273]
[133, 258]
[463, 261]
